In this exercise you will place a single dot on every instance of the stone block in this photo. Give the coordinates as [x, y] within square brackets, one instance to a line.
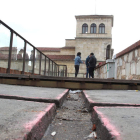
[123, 77]
[133, 68]
[127, 68]
[126, 57]
[123, 65]
[138, 68]
[120, 61]
[136, 53]
[130, 56]
[130, 77]
[123, 71]
[118, 72]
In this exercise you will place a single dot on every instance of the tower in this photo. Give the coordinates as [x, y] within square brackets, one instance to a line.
[94, 34]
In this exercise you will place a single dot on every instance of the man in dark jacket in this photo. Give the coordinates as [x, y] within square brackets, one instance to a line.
[87, 66]
[92, 64]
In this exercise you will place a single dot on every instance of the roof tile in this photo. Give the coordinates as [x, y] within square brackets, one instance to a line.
[61, 57]
[49, 49]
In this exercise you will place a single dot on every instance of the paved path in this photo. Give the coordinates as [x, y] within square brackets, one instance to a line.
[20, 118]
[115, 113]
[122, 123]
[37, 94]
[114, 96]
[28, 91]
[17, 118]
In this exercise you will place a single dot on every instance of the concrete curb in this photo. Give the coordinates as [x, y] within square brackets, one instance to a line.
[62, 97]
[90, 103]
[37, 127]
[105, 129]
[58, 100]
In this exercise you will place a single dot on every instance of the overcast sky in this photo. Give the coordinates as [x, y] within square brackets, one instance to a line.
[47, 23]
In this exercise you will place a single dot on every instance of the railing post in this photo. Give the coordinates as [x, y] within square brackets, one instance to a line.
[52, 68]
[24, 57]
[45, 66]
[63, 71]
[10, 52]
[55, 69]
[33, 60]
[49, 68]
[40, 64]
[58, 70]
[66, 72]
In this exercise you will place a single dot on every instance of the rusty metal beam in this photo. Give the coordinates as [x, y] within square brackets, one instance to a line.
[70, 83]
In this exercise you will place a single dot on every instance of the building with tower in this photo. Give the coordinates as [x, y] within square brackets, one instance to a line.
[93, 34]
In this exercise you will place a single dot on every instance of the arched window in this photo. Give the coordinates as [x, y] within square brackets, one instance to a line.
[84, 28]
[101, 28]
[108, 52]
[93, 28]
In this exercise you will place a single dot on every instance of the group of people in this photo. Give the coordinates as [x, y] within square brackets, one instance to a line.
[90, 64]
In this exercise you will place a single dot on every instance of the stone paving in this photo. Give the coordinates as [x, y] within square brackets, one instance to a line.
[17, 118]
[114, 96]
[112, 118]
[121, 122]
[30, 92]
[20, 118]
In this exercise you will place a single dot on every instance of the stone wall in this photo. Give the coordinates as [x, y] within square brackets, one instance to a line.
[101, 72]
[69, 42]
[97, 46]
[67, 51]
[128, 65]
[70, 65]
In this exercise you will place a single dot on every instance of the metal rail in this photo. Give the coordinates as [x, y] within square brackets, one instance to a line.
[25, 58]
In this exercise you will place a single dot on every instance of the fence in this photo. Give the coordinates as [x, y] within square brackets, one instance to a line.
[18, 56]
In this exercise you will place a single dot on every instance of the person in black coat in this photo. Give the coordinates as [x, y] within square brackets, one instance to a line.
[92, 64]
[87, 66]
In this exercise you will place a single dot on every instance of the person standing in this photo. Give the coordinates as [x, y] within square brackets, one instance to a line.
[92, 64]
[77, 63]
[87, 66]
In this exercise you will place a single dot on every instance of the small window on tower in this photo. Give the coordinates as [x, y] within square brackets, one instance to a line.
[84, 28]
[93, 28]
[102, 28]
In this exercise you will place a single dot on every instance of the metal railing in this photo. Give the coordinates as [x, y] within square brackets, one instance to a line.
[18, 56]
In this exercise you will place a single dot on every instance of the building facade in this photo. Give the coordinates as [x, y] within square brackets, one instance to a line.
[93, 34]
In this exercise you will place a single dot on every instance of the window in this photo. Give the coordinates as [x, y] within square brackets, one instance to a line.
[102, 28]
[93, 28]
[84, 28]
[108, 52]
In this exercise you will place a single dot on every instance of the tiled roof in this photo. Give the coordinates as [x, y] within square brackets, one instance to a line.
[13, 57]
[61, 57]
[7, 48]
[49, 49]
[129, 49]
[68, 47]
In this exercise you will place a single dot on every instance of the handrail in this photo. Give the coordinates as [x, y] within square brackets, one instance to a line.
[54, 64]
